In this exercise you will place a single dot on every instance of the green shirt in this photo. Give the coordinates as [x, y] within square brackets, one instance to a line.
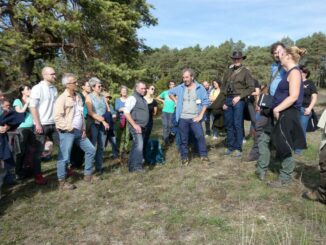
[168, 103]
[28, 123]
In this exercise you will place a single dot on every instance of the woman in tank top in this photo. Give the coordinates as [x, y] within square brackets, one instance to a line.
[97, 107]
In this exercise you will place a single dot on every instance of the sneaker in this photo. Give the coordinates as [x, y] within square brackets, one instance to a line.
[214, 138]
[66, 186]
[279, 184]
[236, 153]
[244, 141]
[310, 195]
[227, 152]
[206, 136]
[204, 160]
[91, 178]
[39, 179]
[185, 162]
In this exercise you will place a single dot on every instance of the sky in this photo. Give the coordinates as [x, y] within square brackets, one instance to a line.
[185, 23]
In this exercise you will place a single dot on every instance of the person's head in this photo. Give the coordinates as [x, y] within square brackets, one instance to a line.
[140, 88]
[86, 87]
[123, 91]
[171, 84]
[291, 55]
[5, 105]
[217, 84]
[24, 90]
[2, 97]
[188, 76]
[206, 85]
[107, 96]
[237, 58]
[150, 90]
[305, 72]
[69, 80]
[95, 84]
[275, 49]
[48, 74]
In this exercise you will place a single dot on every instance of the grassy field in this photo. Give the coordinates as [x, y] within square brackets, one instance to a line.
[223, 203]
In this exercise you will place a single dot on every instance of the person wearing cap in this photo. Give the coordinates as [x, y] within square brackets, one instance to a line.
[237, 85]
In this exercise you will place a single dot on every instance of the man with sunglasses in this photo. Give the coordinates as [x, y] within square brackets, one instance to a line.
[42, 98]
[237, 85]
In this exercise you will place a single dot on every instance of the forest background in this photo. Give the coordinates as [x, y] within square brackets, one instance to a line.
[99, 38]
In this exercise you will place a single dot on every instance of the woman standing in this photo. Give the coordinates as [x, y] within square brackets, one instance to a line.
[97, 107]
[27, 137]
[121, 125]
[309, 100]
[218, 117]
[152, 108]
[287, 133]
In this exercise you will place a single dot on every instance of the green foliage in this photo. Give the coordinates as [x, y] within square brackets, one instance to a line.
[88, 36]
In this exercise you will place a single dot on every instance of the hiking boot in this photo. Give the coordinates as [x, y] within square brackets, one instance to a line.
[261, 176]
[91, 178]
[66, 186]
[205, 160]
[236, 153]
[279, 184]
[227, 152]
[39, 179]
[185, 162]
[310, 195]
[251, 158]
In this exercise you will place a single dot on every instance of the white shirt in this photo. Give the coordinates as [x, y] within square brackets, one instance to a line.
[130, 104]
[42, 98]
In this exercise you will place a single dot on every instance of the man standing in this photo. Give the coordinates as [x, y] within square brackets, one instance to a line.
[192, 100]
[167, 111]
[207, 115]
[69, 120]
[237, 85]
[264, 124]
[137, 115]
[42, 98]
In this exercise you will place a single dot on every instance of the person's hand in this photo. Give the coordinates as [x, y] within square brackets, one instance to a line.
[276, 113]
[3, 129]
[28, 100]
[38, 128]
[106, 125]
[197, 118]
[235, 100]
[225, 107]
[84, 134]
[307, 111]
[137, 129]
[257, 108]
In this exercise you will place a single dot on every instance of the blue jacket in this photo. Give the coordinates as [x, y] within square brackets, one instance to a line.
[179, 92]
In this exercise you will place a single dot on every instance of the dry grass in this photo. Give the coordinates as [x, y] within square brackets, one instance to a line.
[222, 203]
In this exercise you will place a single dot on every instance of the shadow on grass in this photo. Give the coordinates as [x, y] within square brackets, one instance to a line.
[308, 174]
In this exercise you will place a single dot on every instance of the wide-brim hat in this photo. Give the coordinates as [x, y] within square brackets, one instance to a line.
[238, 55]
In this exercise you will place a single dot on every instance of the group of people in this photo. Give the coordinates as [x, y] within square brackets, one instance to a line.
[279, 113]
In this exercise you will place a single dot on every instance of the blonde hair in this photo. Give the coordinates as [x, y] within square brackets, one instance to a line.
[296, 52]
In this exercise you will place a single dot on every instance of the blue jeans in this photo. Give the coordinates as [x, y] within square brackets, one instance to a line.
[184, 126]
[233, 118]
[135, 161]
[98, 136]
[66, 141]
[207, 119]
[167, 124]
[304, 119]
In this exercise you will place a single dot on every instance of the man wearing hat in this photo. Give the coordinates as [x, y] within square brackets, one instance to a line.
[237, 85]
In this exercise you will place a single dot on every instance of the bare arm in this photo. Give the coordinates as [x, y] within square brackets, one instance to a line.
[36, 119]
[311, 105]
[294, 91]
[159, 99]
[173, 97]
[133, 123]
